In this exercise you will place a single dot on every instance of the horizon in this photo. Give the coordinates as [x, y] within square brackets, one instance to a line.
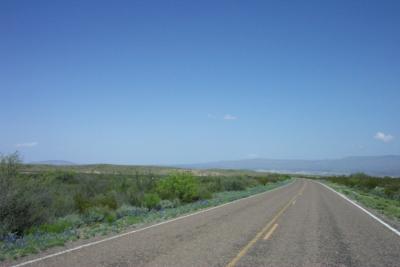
[204, 162]
[178, 83]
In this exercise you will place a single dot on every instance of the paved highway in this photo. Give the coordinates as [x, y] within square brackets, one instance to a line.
[301, 224]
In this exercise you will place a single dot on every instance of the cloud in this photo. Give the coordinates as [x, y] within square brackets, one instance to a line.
[229, 117]
[386, 138]
[30, 144]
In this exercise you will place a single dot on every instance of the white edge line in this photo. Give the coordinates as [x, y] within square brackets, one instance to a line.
[363, 209]
[144, 228]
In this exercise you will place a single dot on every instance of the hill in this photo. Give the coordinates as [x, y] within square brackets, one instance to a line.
[54, 162]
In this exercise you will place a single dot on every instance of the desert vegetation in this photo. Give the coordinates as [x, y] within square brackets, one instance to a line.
[45, 208]
[379, 193]
[386, 187]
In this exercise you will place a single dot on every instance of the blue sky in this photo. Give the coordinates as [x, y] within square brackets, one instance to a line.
[161, 82]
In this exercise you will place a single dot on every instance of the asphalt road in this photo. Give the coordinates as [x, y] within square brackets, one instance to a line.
[301, 224]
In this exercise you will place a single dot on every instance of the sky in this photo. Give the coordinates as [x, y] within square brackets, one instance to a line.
[165, 82]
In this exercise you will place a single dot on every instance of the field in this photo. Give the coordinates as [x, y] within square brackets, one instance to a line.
[43, 206]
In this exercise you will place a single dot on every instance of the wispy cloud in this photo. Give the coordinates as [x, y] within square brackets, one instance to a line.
[386, 138]
[229, 117]
[29, 144]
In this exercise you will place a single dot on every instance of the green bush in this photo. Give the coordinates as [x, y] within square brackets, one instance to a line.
[62, 224]
[204, 192]
[62, 204]
[263, 180]
[134, 196]
[234, 184]
[215, 184]
[179, 185]
[82, 202]
[151, 200]
[106, 200]
[110, 217]
[23, 203]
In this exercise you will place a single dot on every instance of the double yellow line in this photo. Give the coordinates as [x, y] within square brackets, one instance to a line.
[245, 249]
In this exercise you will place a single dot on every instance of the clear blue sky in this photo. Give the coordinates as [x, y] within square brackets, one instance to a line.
[165, 82]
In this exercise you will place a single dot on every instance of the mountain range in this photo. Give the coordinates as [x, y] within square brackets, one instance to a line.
[374, 165]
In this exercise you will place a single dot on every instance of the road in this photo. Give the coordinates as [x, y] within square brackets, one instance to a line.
[301, 224]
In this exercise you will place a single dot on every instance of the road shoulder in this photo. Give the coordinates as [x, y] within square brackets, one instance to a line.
[354, 197]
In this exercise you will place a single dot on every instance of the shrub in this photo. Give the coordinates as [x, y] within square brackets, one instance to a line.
[106, 200]
[379, 191]
[63, 204]
[384, 187]
[151, 200]
[110, 217]
[82, 202]
[213, 184]
[179, 185]
[126, 210]
[95, 214]
[66, 177]
[73, 219]
[167, 204]
[234, 184]
[135, 197]
[204, 193]
[62, 224]
[10, 165]
[263, 180]
[22, 205]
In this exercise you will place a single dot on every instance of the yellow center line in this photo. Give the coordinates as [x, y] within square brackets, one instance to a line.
[268, 235]
[244, 250]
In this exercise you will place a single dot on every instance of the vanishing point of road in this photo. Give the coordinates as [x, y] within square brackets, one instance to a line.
[300, 224]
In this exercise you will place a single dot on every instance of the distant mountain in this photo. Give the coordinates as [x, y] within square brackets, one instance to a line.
[373, 165]
[54, 162]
